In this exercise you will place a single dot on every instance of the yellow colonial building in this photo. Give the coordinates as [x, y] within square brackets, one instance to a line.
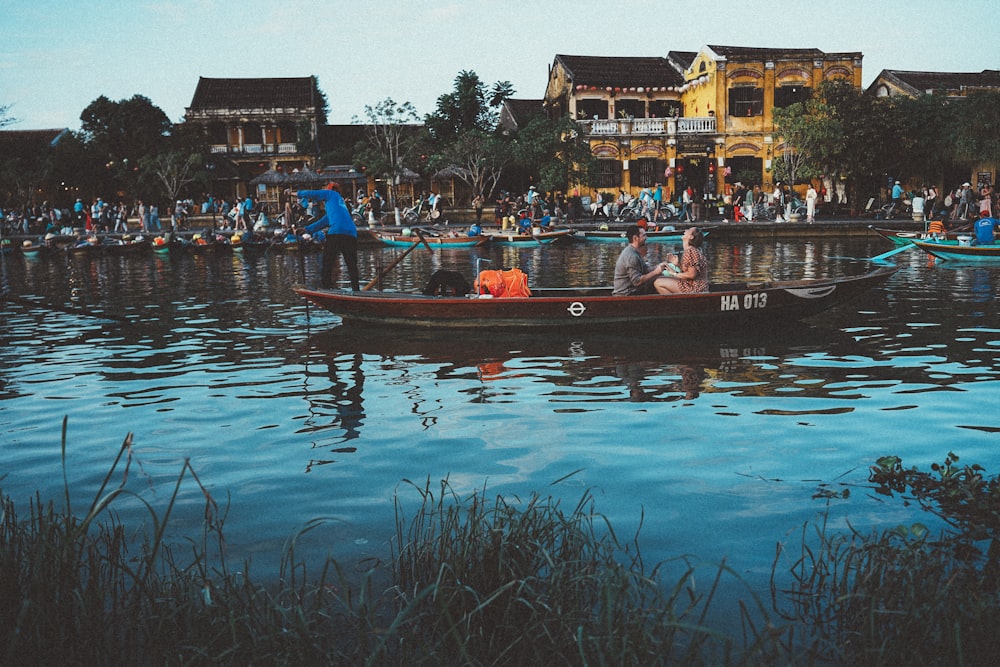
[700, 118]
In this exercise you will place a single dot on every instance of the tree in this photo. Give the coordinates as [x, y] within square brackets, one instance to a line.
[119, 136]
[554, 152]
[463, 132]
[848, 134]
[466, 107]
[976, 135]
[390, 135]
[929, 127]
[5, 118]
[480, 158]
[175, 170]
[804, 127]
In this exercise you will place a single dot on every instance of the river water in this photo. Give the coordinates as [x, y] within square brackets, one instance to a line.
[715, 444]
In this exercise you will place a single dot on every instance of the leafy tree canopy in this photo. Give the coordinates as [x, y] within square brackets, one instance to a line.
[128, 129]
[467, 107]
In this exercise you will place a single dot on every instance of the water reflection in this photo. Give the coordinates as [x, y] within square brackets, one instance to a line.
[222, 363]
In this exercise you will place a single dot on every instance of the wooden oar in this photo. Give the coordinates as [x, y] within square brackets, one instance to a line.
[894, 251]
[377, 279]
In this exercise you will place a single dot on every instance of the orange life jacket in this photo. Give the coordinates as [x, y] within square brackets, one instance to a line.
[506, 283]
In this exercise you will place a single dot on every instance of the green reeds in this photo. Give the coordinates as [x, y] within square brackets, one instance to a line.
[472, 582]
[511, 582]
[893, 597]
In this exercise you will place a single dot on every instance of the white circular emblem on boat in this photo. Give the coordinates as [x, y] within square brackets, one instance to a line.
[576, 309]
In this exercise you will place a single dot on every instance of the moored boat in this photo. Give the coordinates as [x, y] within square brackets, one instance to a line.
[403, 239]
[127, 246]
[33, 250]
[728, 305]
[665, 235]
[904, 237]
[161, 246]
[960, 250]
[536, 237]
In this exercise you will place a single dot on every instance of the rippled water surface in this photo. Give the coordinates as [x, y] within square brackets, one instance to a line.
[720, 441]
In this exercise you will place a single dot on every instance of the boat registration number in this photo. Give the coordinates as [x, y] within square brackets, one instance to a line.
[754, 300]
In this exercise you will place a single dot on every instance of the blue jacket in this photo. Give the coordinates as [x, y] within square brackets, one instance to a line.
[984, 231]
[337, 219]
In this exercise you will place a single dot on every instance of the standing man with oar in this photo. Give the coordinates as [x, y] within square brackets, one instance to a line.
[341, 234]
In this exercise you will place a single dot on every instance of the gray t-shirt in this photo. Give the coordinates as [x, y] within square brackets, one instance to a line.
[629, 270]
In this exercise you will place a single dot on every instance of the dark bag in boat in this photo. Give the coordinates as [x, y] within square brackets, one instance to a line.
[446, 283]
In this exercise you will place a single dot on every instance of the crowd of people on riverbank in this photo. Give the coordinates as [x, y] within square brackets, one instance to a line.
[957, 207]
[147, 217]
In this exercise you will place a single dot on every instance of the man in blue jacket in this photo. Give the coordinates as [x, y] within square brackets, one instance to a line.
[985, 229]
[341, 234]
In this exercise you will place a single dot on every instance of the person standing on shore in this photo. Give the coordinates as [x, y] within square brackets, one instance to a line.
[341, 234]
[811, 196]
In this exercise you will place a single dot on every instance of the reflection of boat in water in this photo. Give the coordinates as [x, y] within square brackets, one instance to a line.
[591, 367]
[731, 306]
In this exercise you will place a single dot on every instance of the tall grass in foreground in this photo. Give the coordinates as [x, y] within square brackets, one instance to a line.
[900, 596]
[502, 581]
[472, 583]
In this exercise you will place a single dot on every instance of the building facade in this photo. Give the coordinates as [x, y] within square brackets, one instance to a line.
[256, 125]
[700, 119]
[953, 85]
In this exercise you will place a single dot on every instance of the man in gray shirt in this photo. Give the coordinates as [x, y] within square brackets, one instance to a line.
[632, 276]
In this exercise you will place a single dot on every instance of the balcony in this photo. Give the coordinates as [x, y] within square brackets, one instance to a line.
[648, 127]
[254, 149]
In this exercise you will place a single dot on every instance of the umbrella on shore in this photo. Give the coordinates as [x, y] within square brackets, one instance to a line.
[269, 177]
[306, 176]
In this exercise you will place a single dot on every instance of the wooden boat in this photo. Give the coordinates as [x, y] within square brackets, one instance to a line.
[618, 236]
[203, 246]
[161, 246]
[730, 305]
[89, 249]
[903, 237]
[406, 240]
[33, 250]
[960, 250]
[246, 246]
[127, 247]
[514, 238]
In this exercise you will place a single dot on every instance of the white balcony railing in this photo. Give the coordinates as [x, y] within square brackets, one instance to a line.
[255, 149]
[649, 127]
[696, 125]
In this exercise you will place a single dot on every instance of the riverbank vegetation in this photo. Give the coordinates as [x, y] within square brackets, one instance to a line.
[476, 580]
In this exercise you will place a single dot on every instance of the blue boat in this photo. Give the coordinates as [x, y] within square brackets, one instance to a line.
[406, 240]
[539, 236]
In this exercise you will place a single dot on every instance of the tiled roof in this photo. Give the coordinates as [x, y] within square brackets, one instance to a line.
[682, 60]
[922, 82]
[254, 94]
[25, 138]
[754, 53]
[620, 71]
[521, 110]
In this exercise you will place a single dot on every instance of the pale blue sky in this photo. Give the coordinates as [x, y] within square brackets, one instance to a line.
[57, 56]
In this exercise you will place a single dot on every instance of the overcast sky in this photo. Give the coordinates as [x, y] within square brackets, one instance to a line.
[57, 56]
